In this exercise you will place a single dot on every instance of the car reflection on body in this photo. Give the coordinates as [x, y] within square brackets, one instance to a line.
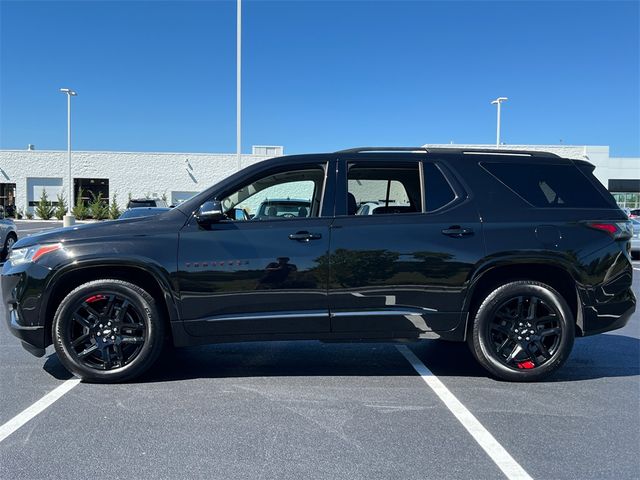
[142, 212]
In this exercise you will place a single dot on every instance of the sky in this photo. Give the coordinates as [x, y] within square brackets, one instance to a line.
[319, 75]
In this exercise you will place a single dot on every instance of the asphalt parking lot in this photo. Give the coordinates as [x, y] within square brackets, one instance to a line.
[311, 410]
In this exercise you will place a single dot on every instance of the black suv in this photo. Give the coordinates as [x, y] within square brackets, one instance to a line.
[515, 252]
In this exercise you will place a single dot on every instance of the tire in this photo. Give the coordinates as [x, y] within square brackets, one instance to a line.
[108, 331]
[522, 332]
[8, 245]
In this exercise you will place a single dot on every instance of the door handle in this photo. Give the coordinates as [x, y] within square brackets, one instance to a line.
[457, 231]
[305, 236]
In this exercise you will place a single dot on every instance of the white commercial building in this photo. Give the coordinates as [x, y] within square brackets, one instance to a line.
[24, 174]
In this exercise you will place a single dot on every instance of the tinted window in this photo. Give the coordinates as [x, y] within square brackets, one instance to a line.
[559, 186]
[394, 189]
[281, 195]
[437, 189]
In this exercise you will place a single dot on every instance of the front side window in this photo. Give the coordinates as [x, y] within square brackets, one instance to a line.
[277, 196]
[376, 190]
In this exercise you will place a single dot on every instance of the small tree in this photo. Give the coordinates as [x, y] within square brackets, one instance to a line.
[80, 209]
[163, 197]
[61, 208]
[44, 209]
[28, 213]
[114, 210]
[98, 208]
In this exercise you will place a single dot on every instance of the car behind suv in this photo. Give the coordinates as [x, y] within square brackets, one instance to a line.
[514, 252]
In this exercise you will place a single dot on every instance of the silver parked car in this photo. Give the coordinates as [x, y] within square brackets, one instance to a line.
[635, 240]
[8, 236]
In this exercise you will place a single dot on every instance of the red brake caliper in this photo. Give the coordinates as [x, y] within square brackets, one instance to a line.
[95, 298]
[526, 364]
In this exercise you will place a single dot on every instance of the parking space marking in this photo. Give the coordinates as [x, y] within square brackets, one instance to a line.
[41, 405]
[489, 444]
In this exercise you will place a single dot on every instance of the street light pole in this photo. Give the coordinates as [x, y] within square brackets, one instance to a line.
[239, 83]
[69, 219]
[497, 102]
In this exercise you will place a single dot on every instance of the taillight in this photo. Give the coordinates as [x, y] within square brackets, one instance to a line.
[617, 230]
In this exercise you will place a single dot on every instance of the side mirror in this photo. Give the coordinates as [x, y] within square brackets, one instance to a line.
[210, 212]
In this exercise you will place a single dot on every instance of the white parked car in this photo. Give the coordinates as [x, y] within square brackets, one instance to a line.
[8, 236]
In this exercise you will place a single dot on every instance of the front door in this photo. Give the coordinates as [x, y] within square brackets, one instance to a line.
[263, 269]
[403, 248]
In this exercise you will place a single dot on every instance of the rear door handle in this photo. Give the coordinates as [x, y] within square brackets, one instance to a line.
[457, 231]
[305, 236]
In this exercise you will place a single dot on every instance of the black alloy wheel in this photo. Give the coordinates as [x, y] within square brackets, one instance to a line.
[523, 331]
[108, 331]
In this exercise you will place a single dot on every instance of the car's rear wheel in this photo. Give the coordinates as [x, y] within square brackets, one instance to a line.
[108, 331]
[523, 331]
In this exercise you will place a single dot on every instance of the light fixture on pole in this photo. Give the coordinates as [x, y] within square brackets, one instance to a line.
[238, 83]
[497, 102]
[69, 219]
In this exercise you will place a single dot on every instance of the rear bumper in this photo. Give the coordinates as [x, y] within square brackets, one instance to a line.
[611, 314]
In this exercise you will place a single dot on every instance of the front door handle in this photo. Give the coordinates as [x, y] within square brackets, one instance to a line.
[457, 231]
[305, 236]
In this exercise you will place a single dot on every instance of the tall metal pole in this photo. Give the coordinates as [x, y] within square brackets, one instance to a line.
[497, 103]
[498, 127]
[70, 203]
[239, 84]
[69, 219]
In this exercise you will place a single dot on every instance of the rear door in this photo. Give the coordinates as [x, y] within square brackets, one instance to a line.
[403, 270]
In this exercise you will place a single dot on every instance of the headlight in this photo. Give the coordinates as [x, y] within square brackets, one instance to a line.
[31, 254]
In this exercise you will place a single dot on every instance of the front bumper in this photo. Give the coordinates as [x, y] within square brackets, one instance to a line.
[21, 288]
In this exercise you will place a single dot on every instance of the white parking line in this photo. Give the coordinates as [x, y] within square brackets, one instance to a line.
[23, 417]
[489, 444]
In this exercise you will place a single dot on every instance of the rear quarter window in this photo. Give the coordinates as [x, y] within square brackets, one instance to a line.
[551, 185]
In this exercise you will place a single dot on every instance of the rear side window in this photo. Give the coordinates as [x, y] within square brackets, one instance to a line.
[544, 185]
[438, 192]
[383, 189]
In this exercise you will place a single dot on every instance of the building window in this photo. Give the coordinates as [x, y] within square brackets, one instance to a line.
[35, 187]
[91, 188]
[268, 150]
[7, 199]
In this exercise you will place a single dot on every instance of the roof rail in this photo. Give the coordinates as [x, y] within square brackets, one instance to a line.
[500, 151]
[464, 151]
[383, 149]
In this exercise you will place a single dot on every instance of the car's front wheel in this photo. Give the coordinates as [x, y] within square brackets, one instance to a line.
[108, 331]
[523, 331]
[8, 246]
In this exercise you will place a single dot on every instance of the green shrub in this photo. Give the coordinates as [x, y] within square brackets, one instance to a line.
[44, 209]
[61, 208]
[114, 210]
[80, 209]
[28, 213]
[98, 208]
